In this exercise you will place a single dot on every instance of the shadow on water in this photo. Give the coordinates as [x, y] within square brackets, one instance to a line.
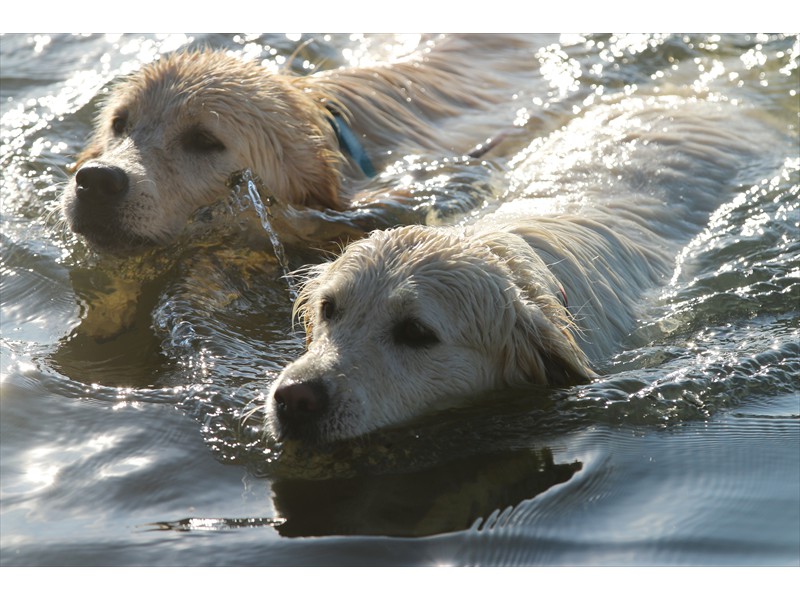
[447, 497]
[129, 357]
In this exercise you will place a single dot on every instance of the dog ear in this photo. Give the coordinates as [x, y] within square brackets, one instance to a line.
[301, 163]
[302, 142]
[325, 187]
[541, 348]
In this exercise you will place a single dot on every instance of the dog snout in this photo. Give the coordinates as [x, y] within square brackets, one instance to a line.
[300, 406]
[100, 184]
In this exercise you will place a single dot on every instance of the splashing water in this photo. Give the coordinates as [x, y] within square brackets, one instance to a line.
[245, 188]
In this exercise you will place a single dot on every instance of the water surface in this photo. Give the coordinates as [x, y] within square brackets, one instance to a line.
[134, 451]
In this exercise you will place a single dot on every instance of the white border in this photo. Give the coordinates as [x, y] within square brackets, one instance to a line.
[398, 17]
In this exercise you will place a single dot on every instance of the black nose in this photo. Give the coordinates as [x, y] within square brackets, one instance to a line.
[299, 406]
[100, 184]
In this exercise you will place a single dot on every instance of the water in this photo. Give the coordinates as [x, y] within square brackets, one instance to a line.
[136, 450]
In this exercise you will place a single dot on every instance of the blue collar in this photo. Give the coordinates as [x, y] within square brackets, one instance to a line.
[351, 145]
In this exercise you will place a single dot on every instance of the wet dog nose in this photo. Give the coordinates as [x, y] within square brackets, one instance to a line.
[100, 184]
[299, 405]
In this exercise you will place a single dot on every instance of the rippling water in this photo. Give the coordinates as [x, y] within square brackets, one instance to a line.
[136, 450]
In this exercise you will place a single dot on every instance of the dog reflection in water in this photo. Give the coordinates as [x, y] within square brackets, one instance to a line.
[454, 496]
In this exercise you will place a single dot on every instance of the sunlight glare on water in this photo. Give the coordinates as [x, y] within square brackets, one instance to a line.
[683, 451]
[371, 50]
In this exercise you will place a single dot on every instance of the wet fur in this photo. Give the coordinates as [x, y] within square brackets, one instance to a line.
[542, 291]
[179, 127]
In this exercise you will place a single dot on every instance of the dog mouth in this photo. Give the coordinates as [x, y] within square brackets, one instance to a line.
[95, 205]
[304, 411]
[109, 238]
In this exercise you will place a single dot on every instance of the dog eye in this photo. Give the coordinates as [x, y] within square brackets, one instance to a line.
[119, 123]
[200, 141]
[412, 333]
[327, 309]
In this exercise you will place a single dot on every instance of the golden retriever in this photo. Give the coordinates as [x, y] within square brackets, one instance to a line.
[417, 319]
[169, 136]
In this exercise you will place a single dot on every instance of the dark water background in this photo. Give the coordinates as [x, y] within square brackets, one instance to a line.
[133, 452]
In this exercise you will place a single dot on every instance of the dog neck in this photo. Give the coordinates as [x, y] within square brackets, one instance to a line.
[350, 144]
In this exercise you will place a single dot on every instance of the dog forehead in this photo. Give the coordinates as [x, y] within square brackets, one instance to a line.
[366, 286]
[201, 79]
[190, 71]
[415, 270]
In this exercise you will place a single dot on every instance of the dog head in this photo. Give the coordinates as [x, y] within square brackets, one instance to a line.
[417, 319]
[169, 136]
